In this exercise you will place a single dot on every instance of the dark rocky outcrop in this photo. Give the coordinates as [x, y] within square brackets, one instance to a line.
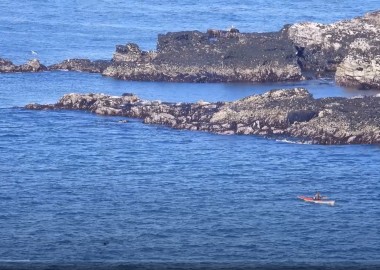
[350, 48]
[33, 65]
[290, 113]
[214, 56]
[85, 65]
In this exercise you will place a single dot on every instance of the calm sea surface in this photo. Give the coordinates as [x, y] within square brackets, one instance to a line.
[76, 187]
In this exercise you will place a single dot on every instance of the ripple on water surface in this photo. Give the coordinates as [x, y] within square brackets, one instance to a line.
[79, 187]
[82, 187]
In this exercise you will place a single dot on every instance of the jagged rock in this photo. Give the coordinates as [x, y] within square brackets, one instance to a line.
[85, 65]
[132, 53]
[7, 66]
[285, 113]
[321, 48]
[361, 67]
[33, 65]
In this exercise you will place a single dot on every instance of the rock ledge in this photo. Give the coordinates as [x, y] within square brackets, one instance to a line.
[285, 113]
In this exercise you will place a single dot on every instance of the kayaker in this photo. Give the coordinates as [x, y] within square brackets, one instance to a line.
[317, 196]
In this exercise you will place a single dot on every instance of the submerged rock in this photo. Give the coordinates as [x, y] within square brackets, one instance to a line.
[278, 113]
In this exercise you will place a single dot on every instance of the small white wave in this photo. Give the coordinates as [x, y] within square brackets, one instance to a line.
[293, 142]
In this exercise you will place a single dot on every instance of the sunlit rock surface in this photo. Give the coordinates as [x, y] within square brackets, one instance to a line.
[285, 113]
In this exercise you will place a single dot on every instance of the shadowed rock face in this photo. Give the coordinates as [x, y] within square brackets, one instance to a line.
[33, 65]
[278, 113]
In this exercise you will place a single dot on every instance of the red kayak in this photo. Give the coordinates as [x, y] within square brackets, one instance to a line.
[311, 199]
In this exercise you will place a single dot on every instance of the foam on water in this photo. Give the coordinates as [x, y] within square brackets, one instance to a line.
[293, 141]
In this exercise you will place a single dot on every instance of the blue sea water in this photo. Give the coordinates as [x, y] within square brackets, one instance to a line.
[76, 187]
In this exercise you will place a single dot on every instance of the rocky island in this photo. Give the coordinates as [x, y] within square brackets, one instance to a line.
[347, 50]
[286, 113]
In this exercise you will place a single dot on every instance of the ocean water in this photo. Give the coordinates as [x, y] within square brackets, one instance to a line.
[76, 187]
